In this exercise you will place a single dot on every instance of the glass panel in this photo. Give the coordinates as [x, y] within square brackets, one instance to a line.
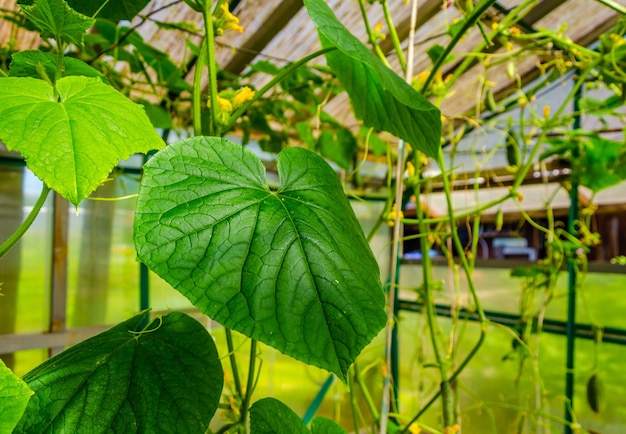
[25, 269]
[103, 282]
[599, 294]
[499, 393]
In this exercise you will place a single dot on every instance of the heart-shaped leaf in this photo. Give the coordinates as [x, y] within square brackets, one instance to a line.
[165, 378]
[57, 20]
[379, 96]
[290, 268]
[72, 143]
[14, 395]
[270, 416]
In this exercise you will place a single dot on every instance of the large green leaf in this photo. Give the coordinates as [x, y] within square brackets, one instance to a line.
[72, 143]
[290, 268]
[57, 20]
[270, 416]
[38, 64]
[165, 378]
[322, 425]
[113, 9]
[379, 96]
[14, 395]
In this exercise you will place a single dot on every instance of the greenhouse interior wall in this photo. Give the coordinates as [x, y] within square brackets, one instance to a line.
[488, 158]
[96, 283]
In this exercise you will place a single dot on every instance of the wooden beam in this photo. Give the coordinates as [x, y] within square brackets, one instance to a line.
[58, 278]
[273, 24]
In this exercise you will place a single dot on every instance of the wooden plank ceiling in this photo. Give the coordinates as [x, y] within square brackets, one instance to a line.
[280, 30]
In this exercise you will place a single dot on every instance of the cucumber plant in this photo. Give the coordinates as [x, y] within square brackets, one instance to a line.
[289, 266]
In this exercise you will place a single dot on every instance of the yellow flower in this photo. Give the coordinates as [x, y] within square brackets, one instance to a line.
[244, 94]
[393, 214]
[410, 168]
[224, 104]
[515, 31]
[225, 20]
[377, 32]
[453, 429]
[546, 111]
[422, 76]
[415, 429]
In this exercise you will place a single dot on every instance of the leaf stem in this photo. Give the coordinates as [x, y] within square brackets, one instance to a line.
[365, 391]
[472, 289]
[15, 237]
[233, 361]
[510, 19]
[469, 22]
[370, 33]
[277, 79]
[197, 90]
[431, 314]
[394, 36]
[250, 383]
[209, 37]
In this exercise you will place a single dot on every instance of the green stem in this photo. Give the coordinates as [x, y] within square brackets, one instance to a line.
[431, 314]
[250, 383]
[15, 237]
[277, 79]
[212, 66]
[370, 33]
[394, 36]
[58, 73]
[100, 9]
[233, 361]
[469, 22]
[521, 174]
[366, 394]
[472, 289]
[354, 401]
[197, 91]
[465, 214]
[509, 20]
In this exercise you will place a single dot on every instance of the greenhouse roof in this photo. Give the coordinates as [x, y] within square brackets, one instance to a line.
[280, 31]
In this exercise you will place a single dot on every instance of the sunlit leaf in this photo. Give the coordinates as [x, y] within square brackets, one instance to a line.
[164, 378]
[72, 143]
[57, 20]
[379, 96]
[290, 267]
[14, 395]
